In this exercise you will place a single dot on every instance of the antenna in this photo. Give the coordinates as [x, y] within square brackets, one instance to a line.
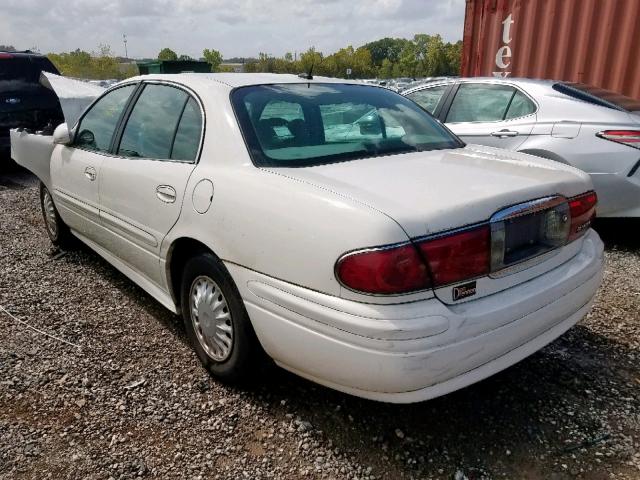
[309, 74]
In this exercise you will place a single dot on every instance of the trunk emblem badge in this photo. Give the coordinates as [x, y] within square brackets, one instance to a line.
[12, 101]
[463, 291]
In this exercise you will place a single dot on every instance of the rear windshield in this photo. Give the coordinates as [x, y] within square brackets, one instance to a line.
[307, 124]
[598, 96]
[25, 69]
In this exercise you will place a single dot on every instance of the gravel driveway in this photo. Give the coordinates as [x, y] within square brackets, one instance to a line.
[108, 388]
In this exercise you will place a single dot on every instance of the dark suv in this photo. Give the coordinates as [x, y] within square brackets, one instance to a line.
[23, 101]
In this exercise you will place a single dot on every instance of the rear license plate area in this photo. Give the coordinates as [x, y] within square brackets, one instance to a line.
[528, 232]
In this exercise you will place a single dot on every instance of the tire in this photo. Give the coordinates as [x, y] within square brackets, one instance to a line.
[58, 231]
[208, 293]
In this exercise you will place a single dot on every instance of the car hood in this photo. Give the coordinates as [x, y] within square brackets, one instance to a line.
[429, 192]
[74, 95]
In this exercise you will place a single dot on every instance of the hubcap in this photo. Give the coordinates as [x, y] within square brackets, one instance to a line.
[211, 318]
[50, 214]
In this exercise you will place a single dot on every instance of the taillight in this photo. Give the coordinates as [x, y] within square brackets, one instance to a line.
[386, 270]
[458, 256]
[583, 209]
[631, 138]
[466, 254]
[6, 55]
[402, 269]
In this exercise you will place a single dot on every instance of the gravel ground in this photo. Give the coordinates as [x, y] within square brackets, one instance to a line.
[126, 397]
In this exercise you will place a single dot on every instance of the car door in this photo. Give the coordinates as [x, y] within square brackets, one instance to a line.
[142, 186]
[493, 114]
[75, 168]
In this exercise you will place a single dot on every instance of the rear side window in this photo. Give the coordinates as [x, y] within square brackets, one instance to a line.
[187, 141]
[428, 98]
[96, 128]
[520, 106]
[153, 122]
[598, 96]
[488, 103]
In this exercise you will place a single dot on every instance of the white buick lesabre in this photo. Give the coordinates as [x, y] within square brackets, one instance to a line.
[336, 226]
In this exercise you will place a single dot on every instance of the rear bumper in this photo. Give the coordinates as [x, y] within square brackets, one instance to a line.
[415, 351]
[618, 194]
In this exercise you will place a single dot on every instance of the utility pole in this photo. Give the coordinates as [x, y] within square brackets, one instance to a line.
[124, 39]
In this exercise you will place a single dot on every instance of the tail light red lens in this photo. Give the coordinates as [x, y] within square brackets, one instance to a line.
[583, 210]
[458, 256]
[454, 257]
[389, 270]
[631, 138]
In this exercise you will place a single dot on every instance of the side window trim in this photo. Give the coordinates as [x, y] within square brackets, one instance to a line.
[446, 104]
[126, 113]
[444, 99]
[118, 123]
[445, 111]
[129, 109]
[175, 130]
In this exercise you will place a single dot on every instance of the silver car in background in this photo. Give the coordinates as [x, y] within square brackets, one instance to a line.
[589, 128]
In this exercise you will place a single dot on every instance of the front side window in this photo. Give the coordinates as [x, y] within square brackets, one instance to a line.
[428, 98]
[95, 130]
[312, 124]
[151, 127]
[481, 102]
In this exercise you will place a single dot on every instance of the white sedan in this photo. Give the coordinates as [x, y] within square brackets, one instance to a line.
[333, 225]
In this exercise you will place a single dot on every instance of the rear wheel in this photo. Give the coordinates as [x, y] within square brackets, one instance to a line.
[57, 230]
[216, 321]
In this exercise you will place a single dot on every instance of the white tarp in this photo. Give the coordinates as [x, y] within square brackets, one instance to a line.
[74, 95]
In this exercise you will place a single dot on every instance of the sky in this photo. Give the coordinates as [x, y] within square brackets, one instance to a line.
[237, 28]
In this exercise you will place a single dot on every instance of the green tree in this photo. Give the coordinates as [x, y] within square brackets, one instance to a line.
[312, 59]
[386, 48]
[167, 54]
[386, 69]
[213, 57]
[96, 65]
[184, 57]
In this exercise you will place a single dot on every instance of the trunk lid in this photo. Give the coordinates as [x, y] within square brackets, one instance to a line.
[431, 192]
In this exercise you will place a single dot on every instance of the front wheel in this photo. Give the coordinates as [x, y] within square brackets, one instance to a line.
[57, 230]
[216, 320]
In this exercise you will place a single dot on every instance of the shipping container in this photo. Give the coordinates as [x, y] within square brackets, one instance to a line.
[174, 66]
[590, 41]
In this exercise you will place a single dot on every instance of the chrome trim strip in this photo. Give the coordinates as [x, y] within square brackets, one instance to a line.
[526, 208]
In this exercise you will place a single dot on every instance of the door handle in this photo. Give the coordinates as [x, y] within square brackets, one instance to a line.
[166, 193]
[90, 173]
[504, 133]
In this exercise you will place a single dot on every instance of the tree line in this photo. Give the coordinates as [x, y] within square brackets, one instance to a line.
[422, 56]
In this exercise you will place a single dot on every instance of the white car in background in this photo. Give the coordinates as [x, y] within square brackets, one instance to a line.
[384, 258]
[589, 128]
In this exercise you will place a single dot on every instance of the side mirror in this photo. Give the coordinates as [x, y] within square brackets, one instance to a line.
[61, 135]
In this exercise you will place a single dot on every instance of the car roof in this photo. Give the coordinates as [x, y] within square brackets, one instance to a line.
[22, 54]
[234, 80]
[532, 82]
